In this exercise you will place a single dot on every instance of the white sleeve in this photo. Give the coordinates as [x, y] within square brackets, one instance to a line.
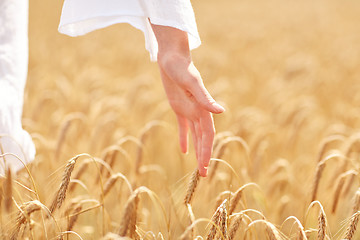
[13, 73]
[82, 16]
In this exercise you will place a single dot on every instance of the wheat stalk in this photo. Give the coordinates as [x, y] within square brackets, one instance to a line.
[350, 183]
[187, 234]
[191, 217]
[301, 234]
[111, 236]
[219, 151]
[140, 151]
[112, 161]
[112, 180]
[1, 200]
[143, 136]
[110, 153]
[355, 138]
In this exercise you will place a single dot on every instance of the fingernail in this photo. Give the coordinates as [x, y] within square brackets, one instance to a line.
[218, 107]
[203, 172]
[206, 164]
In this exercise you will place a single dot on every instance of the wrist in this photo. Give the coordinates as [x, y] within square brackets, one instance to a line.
[170, 59]
[172, 42]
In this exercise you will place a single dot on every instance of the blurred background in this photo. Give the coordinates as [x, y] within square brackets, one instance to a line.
[287, 73]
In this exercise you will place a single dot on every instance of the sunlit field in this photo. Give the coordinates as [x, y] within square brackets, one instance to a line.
[108, 165]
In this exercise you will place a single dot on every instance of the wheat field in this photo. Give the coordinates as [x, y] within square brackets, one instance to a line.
[108, 166]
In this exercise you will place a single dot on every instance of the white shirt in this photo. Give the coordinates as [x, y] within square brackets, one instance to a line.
[15, 142]
[82, 16]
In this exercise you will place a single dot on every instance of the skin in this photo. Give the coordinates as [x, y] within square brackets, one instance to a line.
[187, 95]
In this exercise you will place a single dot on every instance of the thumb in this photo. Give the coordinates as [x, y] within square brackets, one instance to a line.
[204, 98]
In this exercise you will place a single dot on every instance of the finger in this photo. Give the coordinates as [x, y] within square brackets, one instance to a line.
[208, 133]
[201, 167]
[198, 138]
[194, 137]
[204, 98]
[183, 133]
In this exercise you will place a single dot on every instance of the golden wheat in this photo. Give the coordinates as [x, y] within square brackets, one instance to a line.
[128, 224]
[101, 96]
[8, 185]
[192, 186]
[61, 193]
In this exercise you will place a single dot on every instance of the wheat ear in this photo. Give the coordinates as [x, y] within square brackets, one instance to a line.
[128, 224]
[219, 151]
[235, 200]
[65, 125]
[350, 231]
[272, 232]
[220, 198]
[79, 173]
[356, 206]
[110, 183]
[319, 169]
[322, 225]
[339, 185]
[8, 190]
[24, 215]
[324, 145]
[61, 193]
[73, 218]
[234, 226]
[218, 220]
[192, 186]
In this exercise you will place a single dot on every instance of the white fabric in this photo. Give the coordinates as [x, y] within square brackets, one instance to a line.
[13, 73]
[82, 16]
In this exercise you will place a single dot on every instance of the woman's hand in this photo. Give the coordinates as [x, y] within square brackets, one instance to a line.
[186, 93]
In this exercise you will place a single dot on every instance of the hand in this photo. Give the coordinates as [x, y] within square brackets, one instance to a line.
[187, 94]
